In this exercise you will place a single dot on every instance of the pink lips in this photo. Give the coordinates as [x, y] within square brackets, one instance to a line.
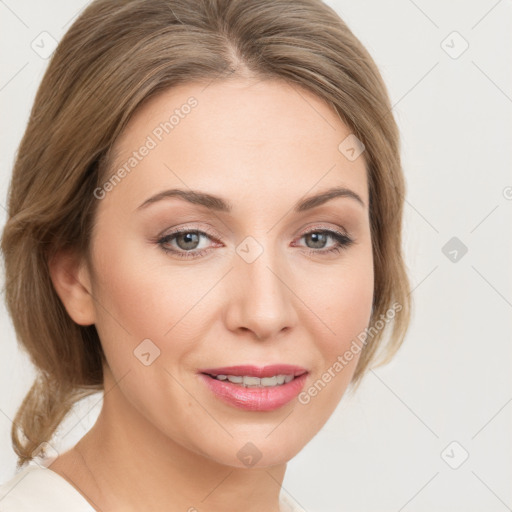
[256, 398]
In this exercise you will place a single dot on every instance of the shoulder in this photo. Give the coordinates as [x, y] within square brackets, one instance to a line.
[38, 488]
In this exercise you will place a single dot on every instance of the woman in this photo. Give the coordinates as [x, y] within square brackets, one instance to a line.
[204, 223]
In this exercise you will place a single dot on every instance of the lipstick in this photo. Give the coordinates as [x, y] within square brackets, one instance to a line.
[255, 388]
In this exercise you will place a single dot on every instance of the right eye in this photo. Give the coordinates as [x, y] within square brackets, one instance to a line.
[184, 243]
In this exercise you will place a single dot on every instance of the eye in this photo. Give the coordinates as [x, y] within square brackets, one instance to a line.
[182, 242]
[320, 237]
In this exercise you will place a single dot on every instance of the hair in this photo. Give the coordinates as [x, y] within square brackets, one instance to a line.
[114, 57]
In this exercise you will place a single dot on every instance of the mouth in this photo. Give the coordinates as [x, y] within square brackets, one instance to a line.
[254, 382]
[255, 389]
[249, 376]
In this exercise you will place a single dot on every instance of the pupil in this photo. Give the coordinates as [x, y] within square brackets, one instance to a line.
[189, 238]
[319, 239]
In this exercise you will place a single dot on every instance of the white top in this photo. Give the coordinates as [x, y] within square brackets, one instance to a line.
[36, 488]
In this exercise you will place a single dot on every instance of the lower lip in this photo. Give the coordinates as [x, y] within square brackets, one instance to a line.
[255, 399]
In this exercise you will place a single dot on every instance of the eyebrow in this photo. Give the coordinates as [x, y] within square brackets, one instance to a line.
[217, 203]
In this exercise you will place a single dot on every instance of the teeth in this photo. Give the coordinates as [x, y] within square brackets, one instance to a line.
[256, 382]
[269, 381]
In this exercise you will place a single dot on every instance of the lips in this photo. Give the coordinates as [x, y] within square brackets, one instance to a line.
[261, 396]
[256, 371]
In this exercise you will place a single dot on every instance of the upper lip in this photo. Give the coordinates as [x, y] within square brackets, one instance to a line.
[256, 371]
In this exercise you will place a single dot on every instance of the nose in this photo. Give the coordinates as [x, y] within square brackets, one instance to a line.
[261, 298]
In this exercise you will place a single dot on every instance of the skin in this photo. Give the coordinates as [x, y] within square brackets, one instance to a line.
[163, 441]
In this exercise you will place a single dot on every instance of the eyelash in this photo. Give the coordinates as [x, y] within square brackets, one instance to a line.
[342, 242]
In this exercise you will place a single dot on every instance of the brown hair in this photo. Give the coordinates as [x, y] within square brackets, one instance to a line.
[115, 56]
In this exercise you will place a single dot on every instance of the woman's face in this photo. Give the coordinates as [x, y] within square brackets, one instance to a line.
[252, 279]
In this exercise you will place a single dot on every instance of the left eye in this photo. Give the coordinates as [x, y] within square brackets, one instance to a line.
[186, 242]
[319, 238]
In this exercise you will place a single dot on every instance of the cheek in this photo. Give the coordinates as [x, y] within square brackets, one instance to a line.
[138, 303]
[344, 306]
[349, 303]
[139, 293]
[133, 304]
[343, 299]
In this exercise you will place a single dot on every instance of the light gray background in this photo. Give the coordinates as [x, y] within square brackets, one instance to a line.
[451, 381]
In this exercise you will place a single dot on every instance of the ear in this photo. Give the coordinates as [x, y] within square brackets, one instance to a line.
[72, 281]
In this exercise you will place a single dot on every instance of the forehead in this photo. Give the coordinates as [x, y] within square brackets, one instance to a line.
[236, 138]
